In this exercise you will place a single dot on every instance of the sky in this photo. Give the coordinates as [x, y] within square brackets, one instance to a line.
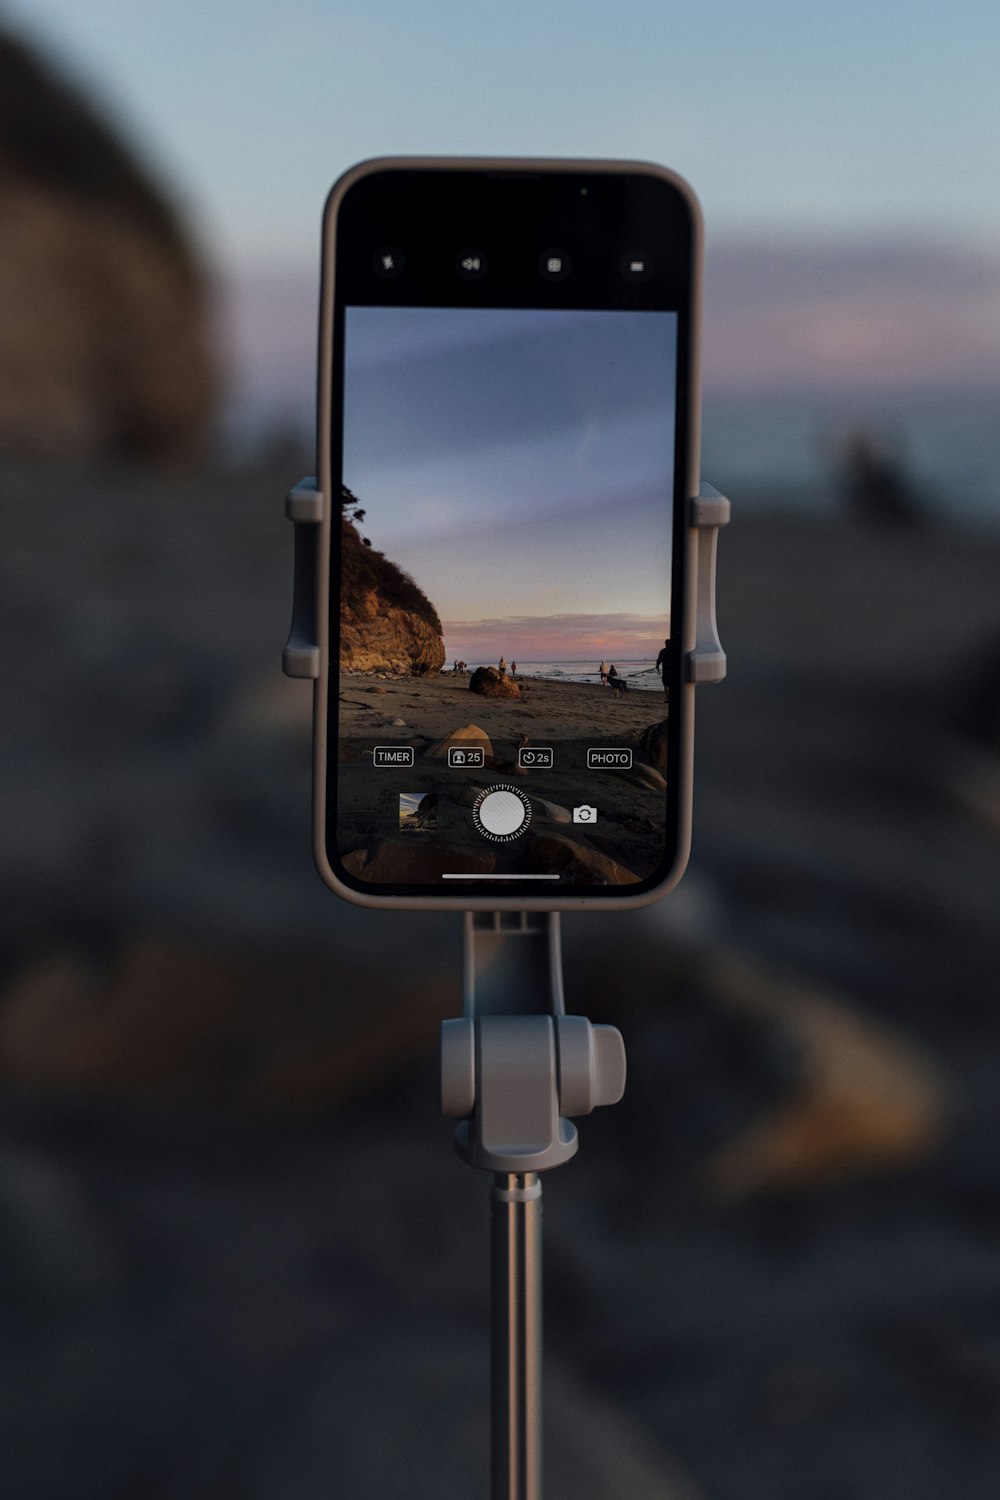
[846, 156]
[519, 465]
[790, 118]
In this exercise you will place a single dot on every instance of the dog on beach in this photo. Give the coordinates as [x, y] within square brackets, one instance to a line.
[619, 686]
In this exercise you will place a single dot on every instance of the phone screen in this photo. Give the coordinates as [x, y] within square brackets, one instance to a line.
[510, 442]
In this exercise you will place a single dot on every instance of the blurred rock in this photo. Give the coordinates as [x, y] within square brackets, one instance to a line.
[54, 1244]
[793, 1394]
[404, 1415]
[104, 337]
[973, 780]
[180, 1022]
[273, 705]
[867, 1100]
[951, 1366]
[980, 715]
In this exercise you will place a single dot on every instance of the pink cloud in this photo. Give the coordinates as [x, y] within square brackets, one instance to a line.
[813, 315]
[622, 637]
[886, 315]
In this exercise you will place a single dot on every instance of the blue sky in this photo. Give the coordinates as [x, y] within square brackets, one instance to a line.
[855, 119]
[846, 157]
[519, 465]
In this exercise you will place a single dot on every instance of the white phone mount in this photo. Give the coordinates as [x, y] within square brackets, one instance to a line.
[516, 1070]
[516, 1080]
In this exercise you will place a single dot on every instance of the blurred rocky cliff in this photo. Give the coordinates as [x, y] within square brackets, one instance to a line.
[104, 338]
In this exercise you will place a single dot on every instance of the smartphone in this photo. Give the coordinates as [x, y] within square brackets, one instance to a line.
[508, 440]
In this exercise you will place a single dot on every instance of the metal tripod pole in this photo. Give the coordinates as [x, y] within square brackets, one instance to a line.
[516, 1277]
[514, 1069]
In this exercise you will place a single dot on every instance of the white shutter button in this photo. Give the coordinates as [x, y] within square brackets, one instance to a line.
[502, 814]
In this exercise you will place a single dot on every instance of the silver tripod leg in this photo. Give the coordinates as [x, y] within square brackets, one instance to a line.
[514, 1068]
[516, 1277]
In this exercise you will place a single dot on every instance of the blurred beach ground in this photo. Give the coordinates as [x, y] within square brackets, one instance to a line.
[238, 1255]
[223, 1171]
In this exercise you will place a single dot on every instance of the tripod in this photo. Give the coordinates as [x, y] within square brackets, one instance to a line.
[514, 1069]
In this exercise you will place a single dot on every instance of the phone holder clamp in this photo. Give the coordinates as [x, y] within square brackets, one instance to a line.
[304, 508]
[708, 511]
[515, 1080]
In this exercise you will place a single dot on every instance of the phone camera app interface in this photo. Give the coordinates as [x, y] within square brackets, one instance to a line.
[505, 555]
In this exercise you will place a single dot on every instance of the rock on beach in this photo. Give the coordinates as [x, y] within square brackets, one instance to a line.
[469, 734]
[396, 863]
[647, 776]
[554, 851]
[492, 683]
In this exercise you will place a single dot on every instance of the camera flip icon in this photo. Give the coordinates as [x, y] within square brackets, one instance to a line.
[585, 813]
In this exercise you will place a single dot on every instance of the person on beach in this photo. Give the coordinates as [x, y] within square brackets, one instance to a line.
[663, 667]
[513, 669]
[503, 667]
[603, 669]
[612, 672]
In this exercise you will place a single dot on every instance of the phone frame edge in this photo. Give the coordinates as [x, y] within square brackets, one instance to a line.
[685, 770]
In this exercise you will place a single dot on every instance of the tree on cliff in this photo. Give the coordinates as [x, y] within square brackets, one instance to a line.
[351, 507]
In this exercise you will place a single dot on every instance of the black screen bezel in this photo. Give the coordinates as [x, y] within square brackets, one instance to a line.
[434, 215]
